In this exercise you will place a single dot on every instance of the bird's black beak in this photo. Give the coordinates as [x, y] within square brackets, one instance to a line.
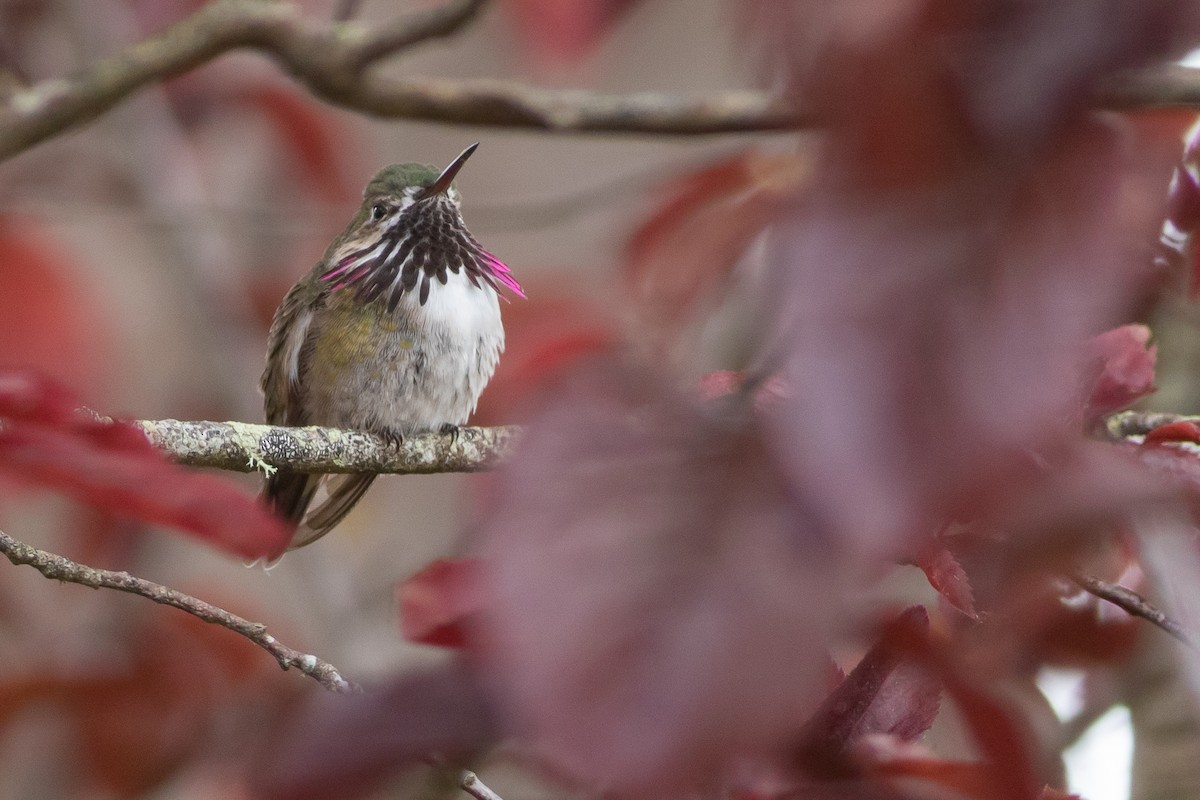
[444, 180]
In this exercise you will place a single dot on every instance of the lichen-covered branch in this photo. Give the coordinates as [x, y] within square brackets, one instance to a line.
[60, 568]
[1139, 423]
[245, 447]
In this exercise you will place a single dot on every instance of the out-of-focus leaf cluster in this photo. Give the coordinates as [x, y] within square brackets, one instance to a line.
[662, 588]
[947, 285]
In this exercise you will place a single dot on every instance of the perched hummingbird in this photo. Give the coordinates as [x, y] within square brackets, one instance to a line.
[395, 331]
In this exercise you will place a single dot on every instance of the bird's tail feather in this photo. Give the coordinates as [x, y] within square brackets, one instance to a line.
[289, 494]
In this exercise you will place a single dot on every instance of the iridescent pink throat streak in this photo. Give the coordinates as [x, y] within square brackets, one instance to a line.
[426, 242]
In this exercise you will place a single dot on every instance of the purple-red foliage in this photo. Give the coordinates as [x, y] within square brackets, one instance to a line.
[563, 30]
[136, 720]
[437, 603]
[49, 320]
[947, 576]
[880, 696]
[342, 747]
[947, 288]
[47, 442]
[1123, 365]
[645, 571]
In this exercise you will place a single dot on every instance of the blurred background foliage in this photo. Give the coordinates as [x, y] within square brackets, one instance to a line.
[142, 258]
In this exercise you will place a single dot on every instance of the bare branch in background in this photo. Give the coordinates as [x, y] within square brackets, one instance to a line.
[331, 60]
[59, 568]
[1133, 603]
[1157, 87]
[245, 447]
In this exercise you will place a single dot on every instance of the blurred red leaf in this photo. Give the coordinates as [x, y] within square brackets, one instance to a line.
[1181, 431]
[653, 603]
[948, 578]
[991, 724]
[546, 336]
[934, 80]
[1043, 618]
[139, 726]
[1176, 465]
[685, 251]
[565, 29]
[343, 746]
[714, 385]
[926, 378]
[966, 779]
[880, 695]
[437, 601]
[49, 321]
[110, 466]
[140, 716]
[969, 779]
[1122, 363]
[310, 133]
[1083, 633]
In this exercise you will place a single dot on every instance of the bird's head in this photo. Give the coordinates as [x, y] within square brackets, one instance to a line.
[408, 231]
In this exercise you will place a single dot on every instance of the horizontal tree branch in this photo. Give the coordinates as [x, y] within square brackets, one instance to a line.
[60, 568]
[1164, 86]
[1139, 423]
[1133, 603]
[332, 59]
[245, 447]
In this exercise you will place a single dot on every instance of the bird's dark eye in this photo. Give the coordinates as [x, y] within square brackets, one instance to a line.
[378, 212]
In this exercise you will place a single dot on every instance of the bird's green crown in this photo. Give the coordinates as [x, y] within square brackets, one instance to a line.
[395, 178]
[406, 246]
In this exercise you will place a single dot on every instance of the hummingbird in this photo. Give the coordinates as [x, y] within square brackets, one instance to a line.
[395, 331]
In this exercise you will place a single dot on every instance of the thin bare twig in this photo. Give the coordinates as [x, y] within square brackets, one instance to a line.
[433, 23]
[60, 568]
[471, 784]
[244, 447]
[1133, 603]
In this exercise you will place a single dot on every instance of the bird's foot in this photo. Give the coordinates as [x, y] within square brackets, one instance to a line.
[451, 429]
[392, 437]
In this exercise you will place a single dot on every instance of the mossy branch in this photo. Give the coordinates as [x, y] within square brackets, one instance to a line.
[245, 447]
